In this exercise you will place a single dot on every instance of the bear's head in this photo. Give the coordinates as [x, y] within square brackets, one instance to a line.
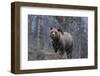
[55, 33]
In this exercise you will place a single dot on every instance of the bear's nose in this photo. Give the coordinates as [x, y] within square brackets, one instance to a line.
[53, 33]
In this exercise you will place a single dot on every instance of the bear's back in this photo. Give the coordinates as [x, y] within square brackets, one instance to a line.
[66, 39]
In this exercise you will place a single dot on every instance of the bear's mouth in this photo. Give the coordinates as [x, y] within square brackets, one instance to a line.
[53, 37]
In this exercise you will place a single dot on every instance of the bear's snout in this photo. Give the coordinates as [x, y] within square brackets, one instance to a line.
[52, 35]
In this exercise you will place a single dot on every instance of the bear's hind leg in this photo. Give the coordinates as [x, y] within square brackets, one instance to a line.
[69, 53]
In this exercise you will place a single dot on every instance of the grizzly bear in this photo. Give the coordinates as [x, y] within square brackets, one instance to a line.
[61, 41]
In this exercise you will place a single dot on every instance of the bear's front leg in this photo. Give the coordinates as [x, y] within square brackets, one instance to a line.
[55, 47]
[61, 51]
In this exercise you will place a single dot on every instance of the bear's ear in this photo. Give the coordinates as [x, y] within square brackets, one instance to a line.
[60, 30]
